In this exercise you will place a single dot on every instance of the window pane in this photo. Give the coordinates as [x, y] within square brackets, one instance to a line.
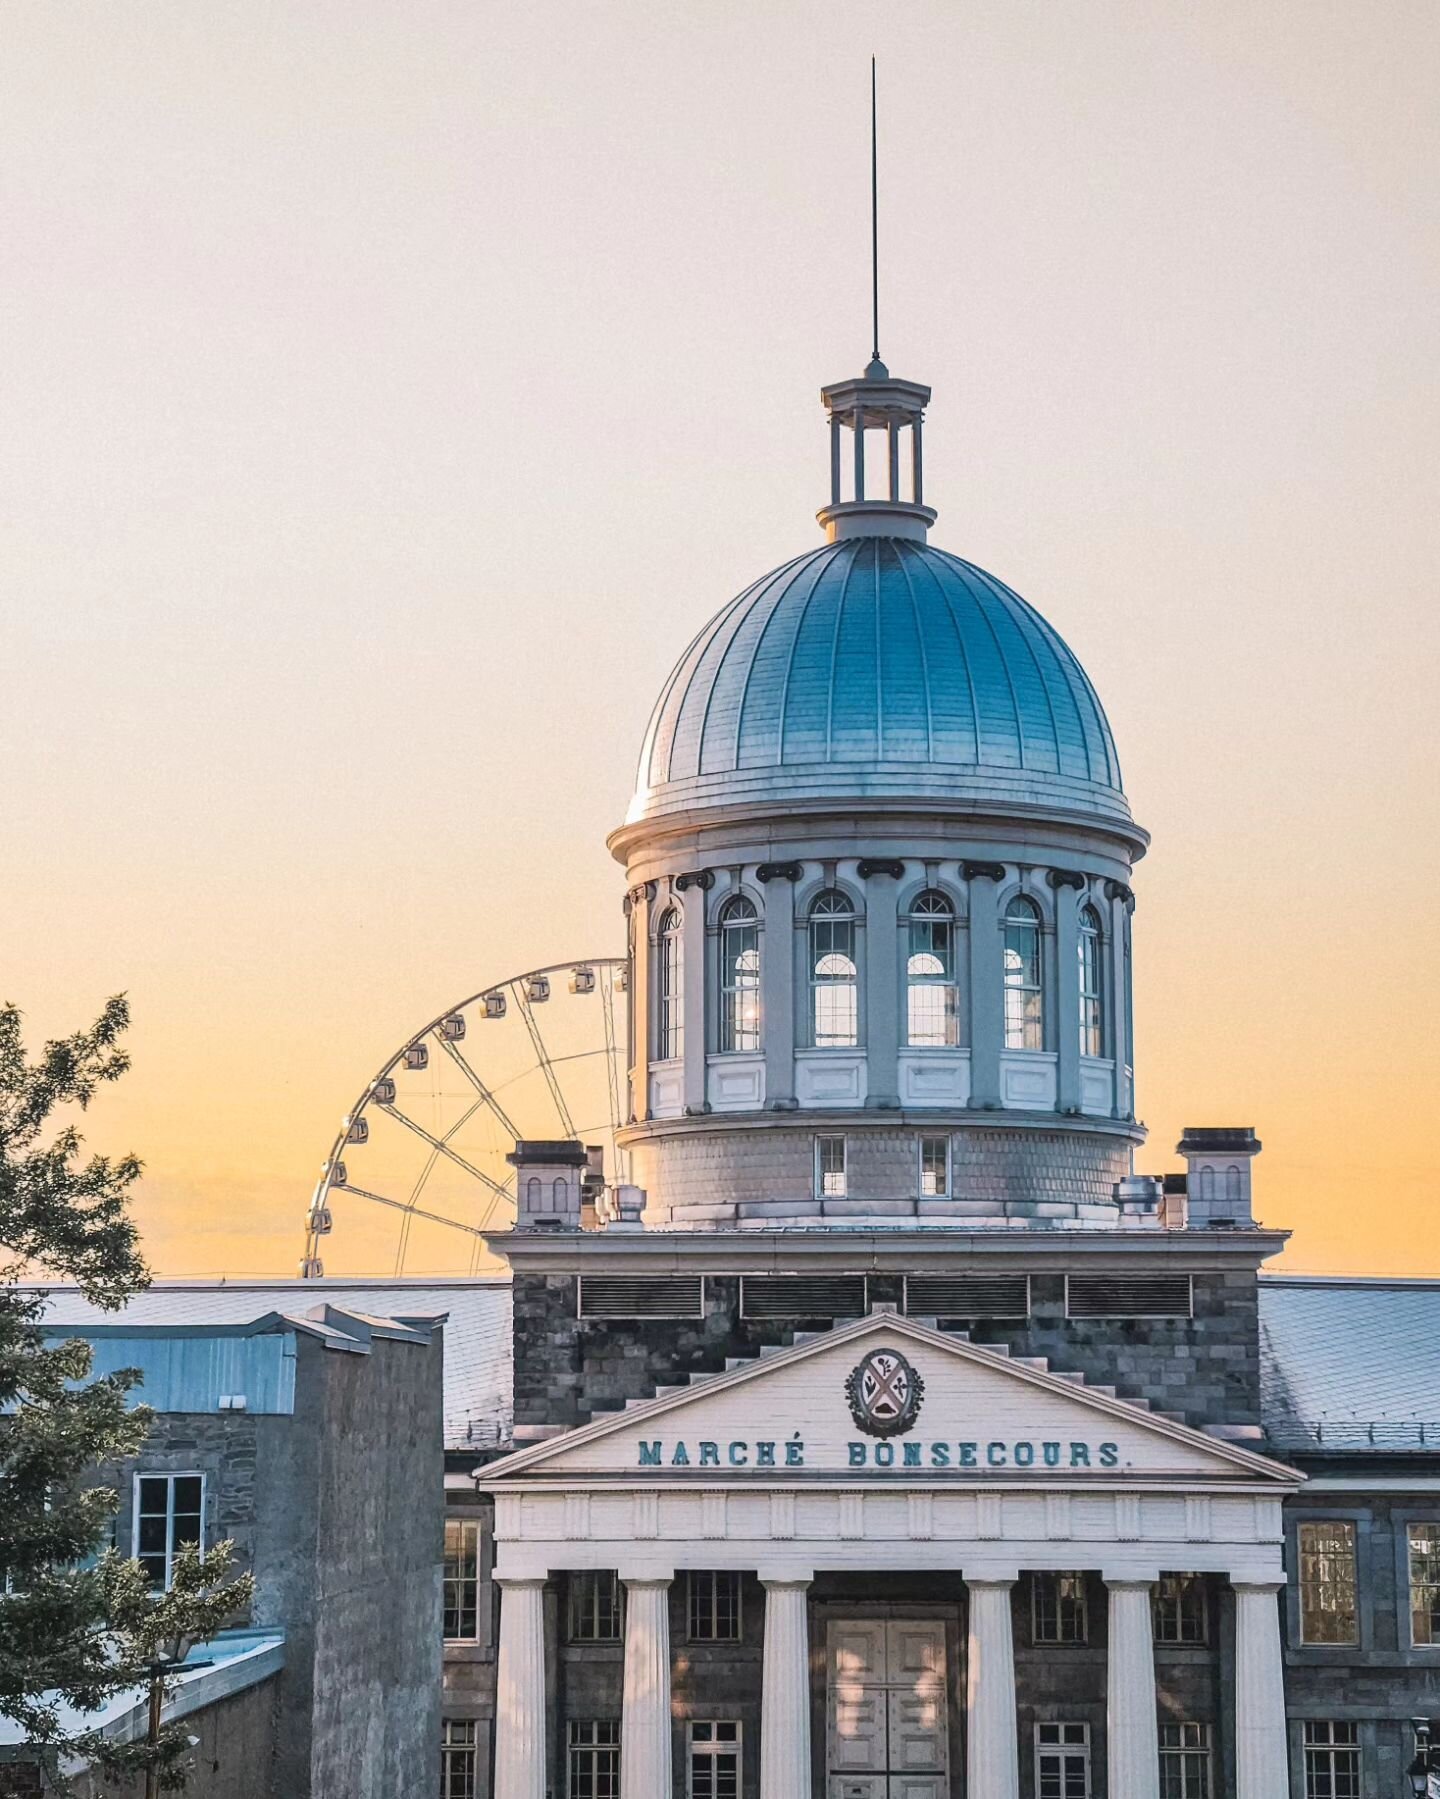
[462, 1580]
[1425, 1583]
[934, 1166]
[1327, 1582]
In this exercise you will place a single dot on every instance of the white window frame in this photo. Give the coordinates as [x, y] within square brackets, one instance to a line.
[670, 985]
[1188, 1750]
[577, 1744]
[1059, 1640]
[821, 1175]
[740, 1016]
[931, 912]
[920, 1188]
[1078, 1746]
[1432, 1526]
[165, 1474]
[713, 1751]
[463, 1746]
[1090, 950]
[1024, 1024]
[1321, 1751]
[826, 927]
[470, 1529]
[713, 1576]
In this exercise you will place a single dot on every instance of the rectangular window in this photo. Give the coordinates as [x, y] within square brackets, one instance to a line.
[457, 1758]
[1180, 1610]
[830, 1168]
[1184, 1761]
[713, 1605]
[1062, 1761]
[594, 1606]
[169, 1514]
[1328, 1611]
[1424, 1542]
[1332, 1761]
[1058, 1610]
[714, 1761]
[934, 1167]
[462, 1580]
[594, 1771]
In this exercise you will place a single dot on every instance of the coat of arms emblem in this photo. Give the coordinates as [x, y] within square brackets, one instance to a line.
[884, 1392]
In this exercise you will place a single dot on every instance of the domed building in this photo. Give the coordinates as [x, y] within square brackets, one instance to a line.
[880, 1433]
[879, 863]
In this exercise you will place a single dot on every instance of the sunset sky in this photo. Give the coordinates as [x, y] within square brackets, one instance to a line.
[390, 390]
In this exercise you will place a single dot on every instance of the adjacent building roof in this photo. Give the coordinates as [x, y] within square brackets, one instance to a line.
[1350, 1363]
[197, 1340]
[877, 668]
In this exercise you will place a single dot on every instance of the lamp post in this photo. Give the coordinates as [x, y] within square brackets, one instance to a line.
[1424, 1771]
[170, 1652]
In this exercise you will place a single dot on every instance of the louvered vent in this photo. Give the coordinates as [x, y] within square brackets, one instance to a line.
[641, 1296]
[1127, 1296]
[803, 1296]
[967, 1295]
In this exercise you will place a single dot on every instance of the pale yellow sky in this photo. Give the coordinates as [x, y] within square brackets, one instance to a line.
[392, 389]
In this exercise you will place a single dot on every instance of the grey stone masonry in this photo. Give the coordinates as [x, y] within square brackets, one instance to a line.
[1205, 1368]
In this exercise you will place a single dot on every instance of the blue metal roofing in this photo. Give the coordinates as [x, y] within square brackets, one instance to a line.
[1350, 1363]
[167, 1331]
[879, 667]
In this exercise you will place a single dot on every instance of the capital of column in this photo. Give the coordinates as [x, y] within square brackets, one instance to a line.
[516, 1581]
[1245, 1585]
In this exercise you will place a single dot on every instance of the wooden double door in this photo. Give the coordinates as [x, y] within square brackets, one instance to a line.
[887, 1732]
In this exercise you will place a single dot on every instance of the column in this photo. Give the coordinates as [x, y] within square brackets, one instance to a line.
[692, 951]
[777, 993]
[785, 1692]
[1261, 1763]
[1116, 1004]
[520, 1691]
[1131, 1726]
[1067, 999]
[645, 1756]
[992, 1760]
[641, 1003]
[882, 993]
[987, 995]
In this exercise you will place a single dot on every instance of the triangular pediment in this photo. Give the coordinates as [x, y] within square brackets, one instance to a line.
[883, 1396]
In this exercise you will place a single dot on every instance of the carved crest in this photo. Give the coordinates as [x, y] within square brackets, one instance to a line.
[884, 1392]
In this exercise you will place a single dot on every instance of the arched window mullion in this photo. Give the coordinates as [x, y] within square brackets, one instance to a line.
[1092, 985]
[931, 995]
[1024, 979]
[739, 976]
[834, 974]
[669, 989]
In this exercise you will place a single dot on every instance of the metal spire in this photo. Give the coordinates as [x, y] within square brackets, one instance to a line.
[874, 221]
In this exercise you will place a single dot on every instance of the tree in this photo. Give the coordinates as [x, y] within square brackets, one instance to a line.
[78, 1623]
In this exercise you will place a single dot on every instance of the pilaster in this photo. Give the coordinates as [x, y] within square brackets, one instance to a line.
[777, 991]
[987, 994]
[1067, 998]
[882, 990]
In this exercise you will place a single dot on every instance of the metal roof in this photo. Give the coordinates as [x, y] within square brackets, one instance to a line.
[477, 1338]
[1350, 1363]
[876, 667]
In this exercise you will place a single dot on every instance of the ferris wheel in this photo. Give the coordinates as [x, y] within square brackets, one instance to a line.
[417, 1172]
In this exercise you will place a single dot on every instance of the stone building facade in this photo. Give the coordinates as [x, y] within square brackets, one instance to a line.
[883, 1434]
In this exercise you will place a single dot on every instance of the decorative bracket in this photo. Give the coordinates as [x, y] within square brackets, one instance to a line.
[703, 878]
[779, 871]
[1118, 890]
[645, 891]
[881, 865]
[988, 871]
[1065, 877]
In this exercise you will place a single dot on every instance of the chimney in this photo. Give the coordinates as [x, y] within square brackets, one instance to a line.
[548, 1175]
[1217, 1183]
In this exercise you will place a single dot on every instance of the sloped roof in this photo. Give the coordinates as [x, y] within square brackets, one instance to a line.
[477, 1331]
[1350, 1363]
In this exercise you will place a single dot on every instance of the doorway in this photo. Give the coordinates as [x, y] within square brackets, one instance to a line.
[887, 1733]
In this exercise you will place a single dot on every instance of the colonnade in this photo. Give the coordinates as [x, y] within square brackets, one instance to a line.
[992, 1742]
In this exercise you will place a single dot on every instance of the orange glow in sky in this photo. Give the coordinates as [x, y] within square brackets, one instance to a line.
[391, 393]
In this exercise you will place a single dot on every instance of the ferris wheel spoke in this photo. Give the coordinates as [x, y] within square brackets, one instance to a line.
[487, 1097]
[438, 1143]
[400, 1205]
[607, 1010]
[546, 1066]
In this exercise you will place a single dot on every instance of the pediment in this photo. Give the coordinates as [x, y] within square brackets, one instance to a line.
[885, 1397]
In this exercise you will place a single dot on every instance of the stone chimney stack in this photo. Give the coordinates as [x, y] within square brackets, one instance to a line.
[1217, 1186]
[548, 1179]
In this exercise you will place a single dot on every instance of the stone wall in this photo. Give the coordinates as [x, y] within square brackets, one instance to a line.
[718, 1174]
[568, 1370]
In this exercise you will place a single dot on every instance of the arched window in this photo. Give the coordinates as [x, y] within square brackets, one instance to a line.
[670, 989]
[1232, 1184]
[930, 993]
[1092, 999]
[739, 975]
[834, 988]
[1024, 995]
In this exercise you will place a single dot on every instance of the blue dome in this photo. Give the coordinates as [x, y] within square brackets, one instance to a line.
[879, 668]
